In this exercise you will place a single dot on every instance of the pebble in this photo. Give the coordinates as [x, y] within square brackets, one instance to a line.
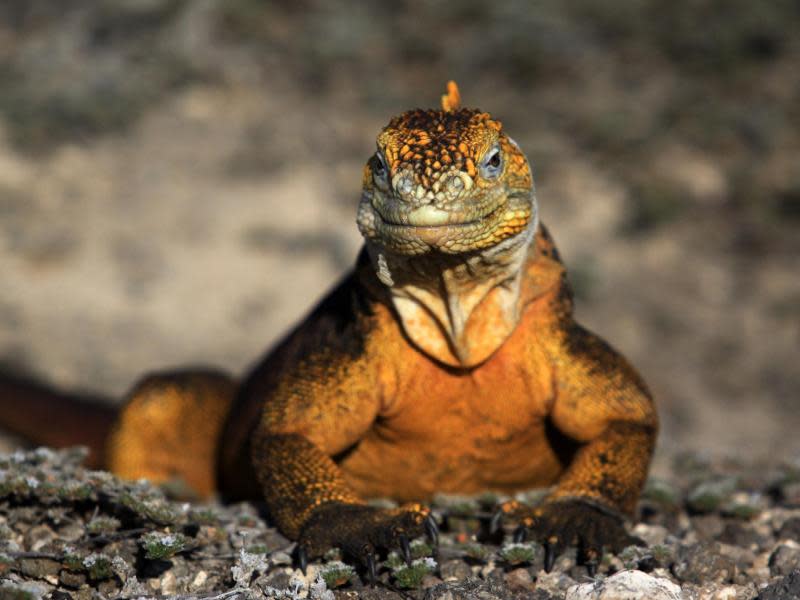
[652, 535]
[785, 559]
[790, 530]
[787, 588]
[455, 570]
[519, 579]
[626, 585]
[703, 563]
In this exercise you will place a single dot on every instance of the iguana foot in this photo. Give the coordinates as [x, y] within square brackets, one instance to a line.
[560, 524]
[361, 532]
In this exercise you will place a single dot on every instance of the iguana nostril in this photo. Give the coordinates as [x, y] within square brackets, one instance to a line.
[404, 184]
[458, 183]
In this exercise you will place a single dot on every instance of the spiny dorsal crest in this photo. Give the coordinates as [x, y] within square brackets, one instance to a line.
[451, 101]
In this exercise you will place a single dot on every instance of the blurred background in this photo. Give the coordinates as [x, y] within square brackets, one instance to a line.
[178, 179]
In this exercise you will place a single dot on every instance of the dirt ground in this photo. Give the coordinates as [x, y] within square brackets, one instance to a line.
[178, 180]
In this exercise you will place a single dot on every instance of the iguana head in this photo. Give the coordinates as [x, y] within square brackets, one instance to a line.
[445, 181]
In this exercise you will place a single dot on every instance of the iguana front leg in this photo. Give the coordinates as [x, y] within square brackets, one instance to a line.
[321, 393]
[311, 502]
[603, 406]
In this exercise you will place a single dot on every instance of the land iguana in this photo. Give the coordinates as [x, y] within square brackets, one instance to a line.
[448, 361]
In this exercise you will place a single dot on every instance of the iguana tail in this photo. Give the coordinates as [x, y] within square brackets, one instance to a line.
[49, 417]
[167, 429]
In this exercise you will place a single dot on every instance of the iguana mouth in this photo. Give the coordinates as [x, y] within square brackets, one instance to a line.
[431, 217]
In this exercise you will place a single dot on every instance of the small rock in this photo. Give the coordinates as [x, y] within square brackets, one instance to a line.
[729, 592]
[785, 559]
[199, 579]
[72, 580]
[455, 570]
[652, 535]
[554, 582]
[791, 494]
[708, 527]
[790, 530]
[429, 580]
[169, 584]
[39, 568]
[703, 563]
[467, 590]
[37, 537]
[519, 579]
[786, 588]
[626, 585]
[741, 534]
[743, 558]
[71, 532]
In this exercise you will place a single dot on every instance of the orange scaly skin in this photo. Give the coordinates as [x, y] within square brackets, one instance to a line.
[447, 361]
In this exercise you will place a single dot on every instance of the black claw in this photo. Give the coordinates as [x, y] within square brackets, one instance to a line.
[372, 570]
[302, 559]
[432, 530]
[549, 557]
[405, 548]
[520, 533]
[496, 522]
[591, 568]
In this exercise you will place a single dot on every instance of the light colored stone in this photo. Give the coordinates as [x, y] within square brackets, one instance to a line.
[626, 585]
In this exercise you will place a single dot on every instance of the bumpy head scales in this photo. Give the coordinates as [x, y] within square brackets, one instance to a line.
[446, 180]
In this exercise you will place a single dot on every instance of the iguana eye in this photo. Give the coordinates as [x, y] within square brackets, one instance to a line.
[492, 164]
[380, 172]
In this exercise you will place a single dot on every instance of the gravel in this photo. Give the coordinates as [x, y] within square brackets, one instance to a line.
[70, 532]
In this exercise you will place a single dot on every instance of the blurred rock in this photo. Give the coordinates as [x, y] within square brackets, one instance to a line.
[626, 585]
[785, 559]
[701, 563]
[786, 588]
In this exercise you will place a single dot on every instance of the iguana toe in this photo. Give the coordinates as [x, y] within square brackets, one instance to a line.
[361, 532]
[560, 524]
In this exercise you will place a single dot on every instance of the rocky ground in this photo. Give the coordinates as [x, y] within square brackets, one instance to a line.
[721, 531]
[178, 180]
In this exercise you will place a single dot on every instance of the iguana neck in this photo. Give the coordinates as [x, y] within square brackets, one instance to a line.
[458, 309]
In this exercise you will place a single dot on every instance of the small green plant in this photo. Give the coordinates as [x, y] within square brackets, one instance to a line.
[258, 549]
[420, 549]
[518, 554]
[157, 510]
[102, 524]
[247, 521]
[708, 495]
[98, 566]
[630, 557]
[162, 546]
[336, 574]
[410, 576]
[394, 561]
[477, 552]
[73, 491]
[72, 561]
[662, 554]
[660, 492]
[204, 516]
